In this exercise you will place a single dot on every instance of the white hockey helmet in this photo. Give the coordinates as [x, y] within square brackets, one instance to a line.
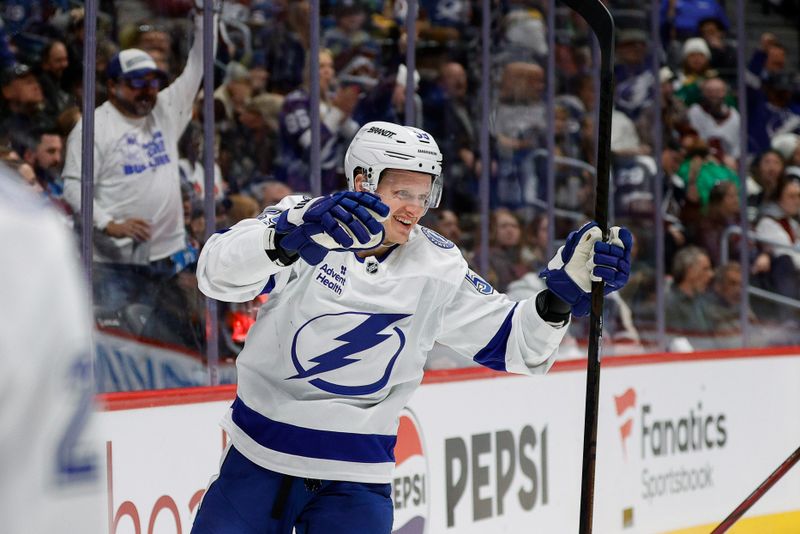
[383, 145]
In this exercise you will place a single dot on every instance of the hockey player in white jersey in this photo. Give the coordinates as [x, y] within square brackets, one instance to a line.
[50, 464]
[359, 293]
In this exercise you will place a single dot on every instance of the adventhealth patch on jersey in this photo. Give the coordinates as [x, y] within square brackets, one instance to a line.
[332, 277]
[437, 239]
[481, 286]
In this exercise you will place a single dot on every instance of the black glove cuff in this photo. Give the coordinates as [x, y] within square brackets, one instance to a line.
[280, 255]
[552, 309]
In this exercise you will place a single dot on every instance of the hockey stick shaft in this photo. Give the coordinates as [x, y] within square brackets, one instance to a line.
[758, 492]
[602, 23]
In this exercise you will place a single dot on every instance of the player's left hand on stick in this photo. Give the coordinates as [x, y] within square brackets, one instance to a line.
[584, 258]
[348, 220]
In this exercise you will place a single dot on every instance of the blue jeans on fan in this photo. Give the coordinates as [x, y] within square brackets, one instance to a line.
[248, 499]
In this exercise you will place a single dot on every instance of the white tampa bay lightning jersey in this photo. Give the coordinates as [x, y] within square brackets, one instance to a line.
[50, 469]
[339, 348]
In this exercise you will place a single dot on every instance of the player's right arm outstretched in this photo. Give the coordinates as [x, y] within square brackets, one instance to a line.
[237, 264]
[523, 337]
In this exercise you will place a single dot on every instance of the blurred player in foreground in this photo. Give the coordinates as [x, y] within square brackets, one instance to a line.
[359, 293]
[49, 477]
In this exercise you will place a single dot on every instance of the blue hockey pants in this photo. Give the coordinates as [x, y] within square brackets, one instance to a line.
[248, 499]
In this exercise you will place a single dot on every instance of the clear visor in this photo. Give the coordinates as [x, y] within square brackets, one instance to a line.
[426, 200]
[436, 192]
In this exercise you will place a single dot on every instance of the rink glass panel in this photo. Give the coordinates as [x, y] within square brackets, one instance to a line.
[542, 126]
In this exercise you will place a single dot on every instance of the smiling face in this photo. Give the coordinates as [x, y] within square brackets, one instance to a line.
[406, 193]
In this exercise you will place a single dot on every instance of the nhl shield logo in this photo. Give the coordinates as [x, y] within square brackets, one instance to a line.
[371, 265]
[410, 483]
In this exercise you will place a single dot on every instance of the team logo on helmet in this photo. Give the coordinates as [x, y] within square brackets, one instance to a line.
[436, 238]
[410, 487]
[355, 352]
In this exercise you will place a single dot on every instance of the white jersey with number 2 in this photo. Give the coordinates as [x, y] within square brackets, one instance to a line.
[50, 478]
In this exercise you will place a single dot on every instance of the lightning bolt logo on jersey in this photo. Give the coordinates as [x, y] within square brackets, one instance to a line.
[362, 344]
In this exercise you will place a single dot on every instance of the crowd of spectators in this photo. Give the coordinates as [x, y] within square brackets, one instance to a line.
[262, 134]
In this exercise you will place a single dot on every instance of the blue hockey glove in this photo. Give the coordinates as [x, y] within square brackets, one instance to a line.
[348, 220]
[586, 258]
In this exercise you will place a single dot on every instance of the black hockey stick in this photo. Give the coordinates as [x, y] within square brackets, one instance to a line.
[602, 23]
[758, 493]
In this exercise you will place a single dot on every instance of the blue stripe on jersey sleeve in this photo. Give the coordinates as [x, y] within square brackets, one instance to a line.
[493, 355]
[311, 443]
[270, 285]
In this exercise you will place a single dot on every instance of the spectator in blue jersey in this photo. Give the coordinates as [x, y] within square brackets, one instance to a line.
[454, 14]
[633, 74]
[359, 293]
[772, 111]
[681, 18]
[767, 60]
[337, 127]
[139, 235]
